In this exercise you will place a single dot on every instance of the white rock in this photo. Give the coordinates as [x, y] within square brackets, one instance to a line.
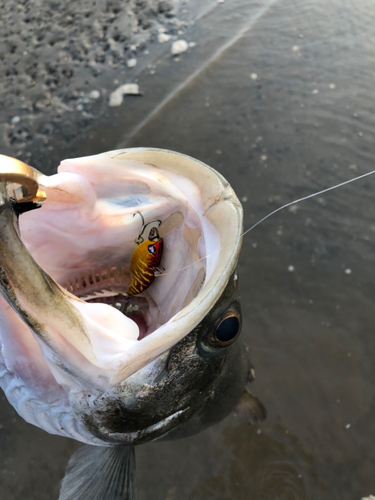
[179, 46]
[117, 96]
[371, 497]
[131, 62]
[163, 37]
[94, 94]
[15, 120]
[254, 76]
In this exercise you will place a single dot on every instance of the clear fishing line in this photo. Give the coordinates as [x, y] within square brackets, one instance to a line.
[269, 215]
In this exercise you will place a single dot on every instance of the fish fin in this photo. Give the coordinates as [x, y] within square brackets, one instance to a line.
[250, 409]
[96, 472]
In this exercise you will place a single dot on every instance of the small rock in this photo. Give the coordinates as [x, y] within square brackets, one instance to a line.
[348, 271]
[116, 97]
[315, 91]
[163, 37]
[294, 209]
[131, 62]
[295, 48]
[15, 120]
[94, 94]
[290, 269]
[254, 76]
[179, 46]
[332, 86]
[371, 497]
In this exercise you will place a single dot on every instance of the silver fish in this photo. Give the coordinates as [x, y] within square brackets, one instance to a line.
[81, 359]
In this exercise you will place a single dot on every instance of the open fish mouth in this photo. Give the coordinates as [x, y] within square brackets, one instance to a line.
[66, 282]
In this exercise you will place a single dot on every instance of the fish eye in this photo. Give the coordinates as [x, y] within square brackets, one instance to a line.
[224, 331]
[228, 329]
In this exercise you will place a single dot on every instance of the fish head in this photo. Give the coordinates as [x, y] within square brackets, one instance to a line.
[83, 358]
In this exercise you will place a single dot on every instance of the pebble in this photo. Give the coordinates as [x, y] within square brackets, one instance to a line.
[117, 96]
[348, 271]
[332, 86]
[371, 497]
[290, 269]
[94, 94]
[254, 76]
[295, 48]
[163, 37]
[315, 91]
[347, 426]
[179, 46]
[131, 62]
[16, 119]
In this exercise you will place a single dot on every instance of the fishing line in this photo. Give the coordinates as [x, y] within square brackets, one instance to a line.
[269, 215]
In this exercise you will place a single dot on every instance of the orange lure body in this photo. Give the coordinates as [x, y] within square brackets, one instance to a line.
[146, 257]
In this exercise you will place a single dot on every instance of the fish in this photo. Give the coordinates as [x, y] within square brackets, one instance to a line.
[82, 358]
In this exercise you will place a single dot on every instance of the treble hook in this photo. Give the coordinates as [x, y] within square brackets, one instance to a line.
[140, 238]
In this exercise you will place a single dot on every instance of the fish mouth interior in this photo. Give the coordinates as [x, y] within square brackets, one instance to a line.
[182, 276]
[108, 285]
[90, 230]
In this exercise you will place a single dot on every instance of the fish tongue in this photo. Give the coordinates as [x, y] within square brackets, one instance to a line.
[83, 335]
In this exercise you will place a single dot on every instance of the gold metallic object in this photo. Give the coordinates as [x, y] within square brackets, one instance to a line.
[24, 178]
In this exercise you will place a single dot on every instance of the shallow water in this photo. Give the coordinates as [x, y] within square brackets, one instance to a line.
[277, 96]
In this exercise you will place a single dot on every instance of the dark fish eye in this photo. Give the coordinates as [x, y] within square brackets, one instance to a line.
[222, 332]
[227, 329]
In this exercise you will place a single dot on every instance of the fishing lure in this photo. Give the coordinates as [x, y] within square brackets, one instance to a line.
[145, 259]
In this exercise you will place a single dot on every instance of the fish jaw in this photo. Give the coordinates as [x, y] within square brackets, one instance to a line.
[100, 351]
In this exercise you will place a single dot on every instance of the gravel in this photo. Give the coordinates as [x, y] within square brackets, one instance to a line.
[61, 62]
